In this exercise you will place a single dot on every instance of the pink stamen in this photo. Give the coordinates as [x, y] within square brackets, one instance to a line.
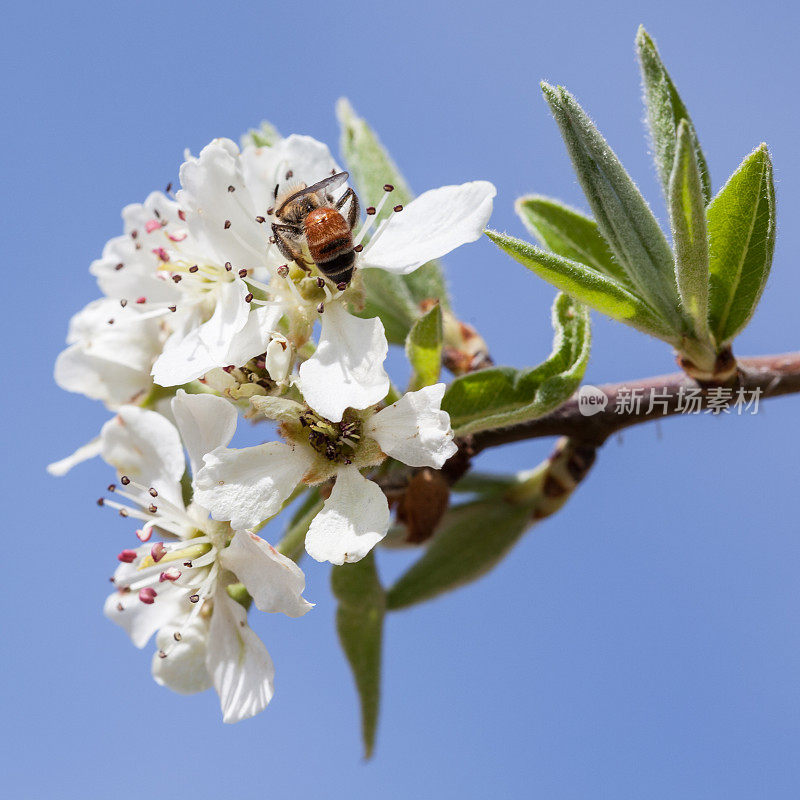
[152, 225]
[127, 556]
[158, 551]
[161, 253]
[171, 574]
[141, 300]
[144, 536]
[148, 595]
[177, 237]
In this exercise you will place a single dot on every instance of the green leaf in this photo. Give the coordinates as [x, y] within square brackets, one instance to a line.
[371, 168]
[266, 135]
[741, 228]
[687, 212]
[623, 217]
[586, 285]
[389, 298]
[471, 540]
[292, 545]
[424, 349]
[570, 234]
[359, 622]
[665, 110]
[502, 396]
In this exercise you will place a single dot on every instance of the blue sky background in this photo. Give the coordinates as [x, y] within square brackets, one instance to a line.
[644, 643]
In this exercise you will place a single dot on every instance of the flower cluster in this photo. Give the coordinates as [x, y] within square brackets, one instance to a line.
[212, 297]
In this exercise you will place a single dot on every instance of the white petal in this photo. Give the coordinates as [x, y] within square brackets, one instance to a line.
[352, 521]
[229, 317]
[238, 662]
[253, 338]
[205, 422]
[431, 226]
[248, 486]
[184, 668]
[141, 620]
[185, 358]
[146, 447]
[274, 582]
[415, 430]
[347, 368]
[83, 453]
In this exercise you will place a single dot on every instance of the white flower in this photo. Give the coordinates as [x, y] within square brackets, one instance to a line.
[182, 588]
[346, 371]
[250, 485]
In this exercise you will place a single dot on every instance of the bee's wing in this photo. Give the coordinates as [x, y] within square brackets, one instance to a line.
[331, 182]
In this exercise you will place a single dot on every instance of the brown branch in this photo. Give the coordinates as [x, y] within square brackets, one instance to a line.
[770, 376]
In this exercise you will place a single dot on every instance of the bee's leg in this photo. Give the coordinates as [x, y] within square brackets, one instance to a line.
[353, 211]
[286, 237]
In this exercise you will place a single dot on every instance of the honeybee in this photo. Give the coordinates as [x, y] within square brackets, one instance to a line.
[311, 214]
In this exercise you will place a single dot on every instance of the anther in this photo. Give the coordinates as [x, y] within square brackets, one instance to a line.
[162, 654]
[119, 266]
[144, 535]
[111, 321]
[228, 266]
[320, 282]
[398, 209]
[358, 248]
[141, 300]
[242, 273]
[172, 308]
[231, 188]
[371, 210]
[321, 308]
[120, 607]
[152, 492]
[123, 512]
[182, 215]
[177, 636]
[387, 187]
[123, 303]
[100, 501]
[111, 487]
[289, 174]
[261, 219]
[187, 564]
[152, 508]
[342, 285]
[169, 188]
[272, 240]
[148, 595]
[194, 598]
[127, 556]
[283, 270]
[227, 224]
[193, 269]
[171, 574]
[177, 278]
[270, 212]
[124, 480]
[158, 551]
[248, 298]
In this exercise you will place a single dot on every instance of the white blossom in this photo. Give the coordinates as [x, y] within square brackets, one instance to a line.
[182, 587]
[248, 486]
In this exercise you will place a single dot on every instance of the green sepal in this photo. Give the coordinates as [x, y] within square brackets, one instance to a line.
[424, 349]
[501, 396]
[665, 110]
[687, 213]
[388, 297]
[292, 545]
[359, 623]
[266, 135]
[741, 229]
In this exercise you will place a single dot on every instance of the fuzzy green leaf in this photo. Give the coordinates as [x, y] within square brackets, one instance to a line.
[741, 228]
[502, 396]
[371, 168]
[359, 623]
[687, 212]
[623, 217]
[424, 349]
[602, 293]
[471, 540]
[570, 234]
[665, 110]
